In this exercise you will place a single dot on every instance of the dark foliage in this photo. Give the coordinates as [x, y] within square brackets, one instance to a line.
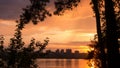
[34, 12]
[99, 47]
[108, 16]
[62, 5]
[16, 56]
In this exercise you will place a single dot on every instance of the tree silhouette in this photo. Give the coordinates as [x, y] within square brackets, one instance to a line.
[34, 12]
[100, 46]
[110, 32]
[111, 35]
[17, 55]
[63, 5]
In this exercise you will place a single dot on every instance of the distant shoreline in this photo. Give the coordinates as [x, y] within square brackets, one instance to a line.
[62, 58]
[61, 54]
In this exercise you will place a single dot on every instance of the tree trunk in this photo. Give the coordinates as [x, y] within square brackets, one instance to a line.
[111, 36]
[98, 25]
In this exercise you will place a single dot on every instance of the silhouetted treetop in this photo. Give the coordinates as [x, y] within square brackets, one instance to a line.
[62, 5]
[34, 12]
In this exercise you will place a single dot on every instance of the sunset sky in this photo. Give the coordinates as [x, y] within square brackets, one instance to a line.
[72, 30]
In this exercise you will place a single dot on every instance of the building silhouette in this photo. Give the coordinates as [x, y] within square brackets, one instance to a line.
[65, 54]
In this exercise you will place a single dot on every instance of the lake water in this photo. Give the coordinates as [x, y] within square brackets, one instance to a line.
[62, 63]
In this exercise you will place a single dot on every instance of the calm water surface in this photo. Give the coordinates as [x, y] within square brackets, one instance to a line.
[62, 63]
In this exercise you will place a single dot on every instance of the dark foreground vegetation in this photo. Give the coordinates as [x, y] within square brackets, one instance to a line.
[105, 48]
[18, 56]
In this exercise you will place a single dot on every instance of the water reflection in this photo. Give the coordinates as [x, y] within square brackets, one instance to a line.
[59, 63]
[62, 63]
[68, 63]
[76, 63]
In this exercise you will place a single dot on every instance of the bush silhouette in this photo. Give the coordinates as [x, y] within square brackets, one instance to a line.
[16, 55]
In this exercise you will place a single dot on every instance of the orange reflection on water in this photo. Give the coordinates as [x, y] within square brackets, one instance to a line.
[62, 63]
